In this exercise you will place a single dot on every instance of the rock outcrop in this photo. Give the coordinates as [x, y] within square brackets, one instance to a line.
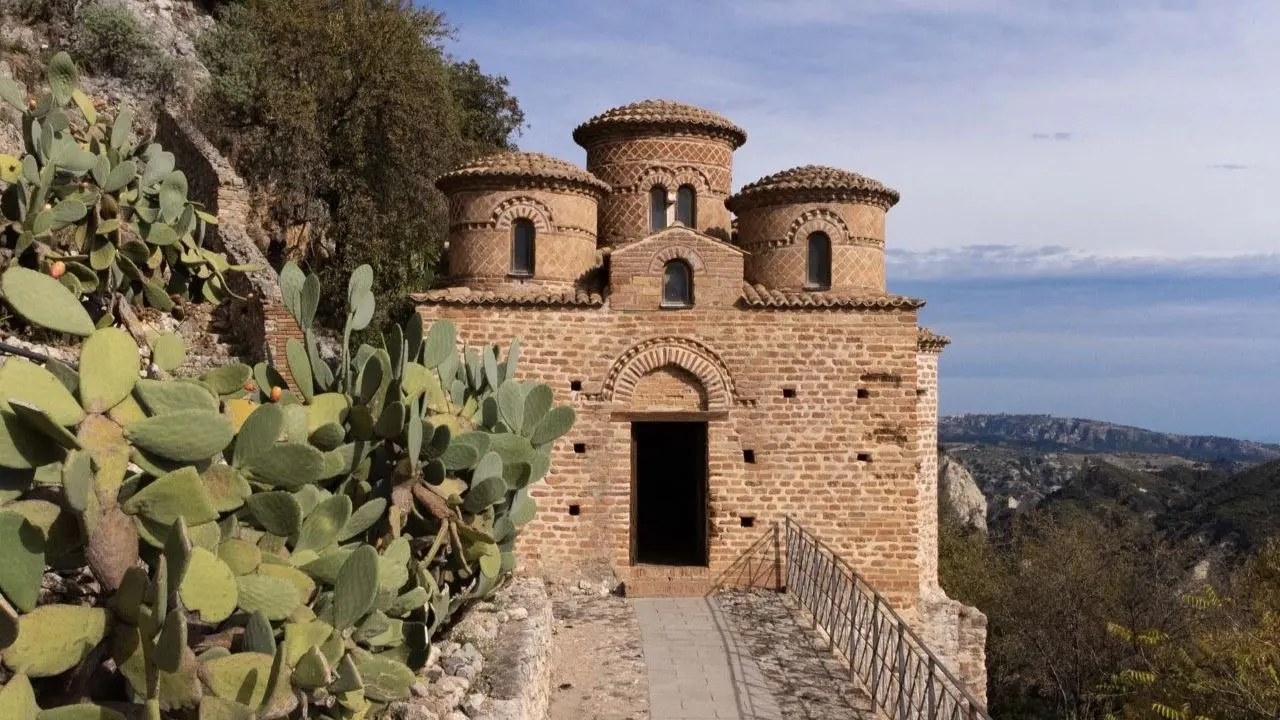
[957, 486]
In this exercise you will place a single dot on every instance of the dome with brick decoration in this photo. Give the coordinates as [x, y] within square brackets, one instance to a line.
[813, 182]
[519, 169]
[814, 228]
[521, 223]
[662, 116]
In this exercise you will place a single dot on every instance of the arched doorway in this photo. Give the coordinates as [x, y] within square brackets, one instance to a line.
[671, 391]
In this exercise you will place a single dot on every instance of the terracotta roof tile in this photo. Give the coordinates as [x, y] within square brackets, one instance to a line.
[812, 182]
[758, 296]
[532, 296]
[517, 166]
[927, 339]
[659, 114]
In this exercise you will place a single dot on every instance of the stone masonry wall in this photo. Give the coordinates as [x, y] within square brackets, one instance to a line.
[783, 384]
[957, 633]
[260, 324]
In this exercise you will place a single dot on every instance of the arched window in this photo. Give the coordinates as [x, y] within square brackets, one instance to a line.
[686, 205]
[657, 208]
[677, 284]
[522, 253]
[818, 275]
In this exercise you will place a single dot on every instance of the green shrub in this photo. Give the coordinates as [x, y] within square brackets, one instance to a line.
[300, 550]
[112, 40]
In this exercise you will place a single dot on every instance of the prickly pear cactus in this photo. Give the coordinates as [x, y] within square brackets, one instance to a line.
[89, 208]
[263, 552]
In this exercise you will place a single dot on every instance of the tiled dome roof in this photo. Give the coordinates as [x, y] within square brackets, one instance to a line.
[519, 166]
[813, 182]
[662, 115]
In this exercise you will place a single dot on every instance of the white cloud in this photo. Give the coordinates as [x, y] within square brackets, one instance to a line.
[941, 99]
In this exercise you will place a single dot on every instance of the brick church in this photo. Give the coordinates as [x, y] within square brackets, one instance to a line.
[733, 358]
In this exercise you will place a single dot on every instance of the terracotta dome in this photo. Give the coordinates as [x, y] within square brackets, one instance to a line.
[813, 183]
[659, 115]
[522, 168]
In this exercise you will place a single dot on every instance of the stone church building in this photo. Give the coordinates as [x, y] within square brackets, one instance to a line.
[733, 358]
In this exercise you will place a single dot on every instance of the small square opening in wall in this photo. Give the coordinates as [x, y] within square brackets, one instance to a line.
[748, 521]
[575, 385]
[864, 457]
[575, 510]
[788, 392]
[580, 448]
[749, 456]
[863, 393]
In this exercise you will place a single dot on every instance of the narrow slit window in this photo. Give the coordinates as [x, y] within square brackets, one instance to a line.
[575, 510]
[686, 205]
[657, 208]
[522, 251]
[819, 263]
[677, 284]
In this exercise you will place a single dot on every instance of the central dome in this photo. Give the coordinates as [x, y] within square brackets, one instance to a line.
[662, 115]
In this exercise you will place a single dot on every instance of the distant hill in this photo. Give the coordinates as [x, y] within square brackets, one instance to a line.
[1047, 433]
[1223, 490]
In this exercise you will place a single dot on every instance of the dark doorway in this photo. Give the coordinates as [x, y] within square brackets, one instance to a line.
[669, 493]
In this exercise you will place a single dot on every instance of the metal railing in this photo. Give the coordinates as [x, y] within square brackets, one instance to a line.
[904, 678]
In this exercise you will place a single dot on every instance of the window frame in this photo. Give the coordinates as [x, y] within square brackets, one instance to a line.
[693, 204]
[656, 212]
[824, 281]
[687, 301]
[514, 269]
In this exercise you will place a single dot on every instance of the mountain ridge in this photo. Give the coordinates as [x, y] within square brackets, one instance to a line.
[1064, 434]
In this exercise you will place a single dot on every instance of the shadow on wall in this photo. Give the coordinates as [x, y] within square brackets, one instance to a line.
[760, 566]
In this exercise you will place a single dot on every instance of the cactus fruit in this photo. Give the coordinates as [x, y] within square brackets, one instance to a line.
[57, 269]
[276, 392]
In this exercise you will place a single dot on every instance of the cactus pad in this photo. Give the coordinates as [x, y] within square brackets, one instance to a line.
[185, 436]
[42, 300]
[54, 638]
[179, 494]
[30, 383]
[209, 587]
[108, 369]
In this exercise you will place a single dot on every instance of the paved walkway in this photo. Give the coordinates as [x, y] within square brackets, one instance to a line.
[697, 671]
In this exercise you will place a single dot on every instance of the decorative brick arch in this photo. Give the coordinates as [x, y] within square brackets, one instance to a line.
[676, 252]
[673, 178]
[512, 209]
[684, 353]
[818, 220]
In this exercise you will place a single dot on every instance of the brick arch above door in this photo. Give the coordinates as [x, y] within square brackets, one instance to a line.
[684, 354]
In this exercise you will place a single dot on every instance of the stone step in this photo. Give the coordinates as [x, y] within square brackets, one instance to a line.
[668, 581]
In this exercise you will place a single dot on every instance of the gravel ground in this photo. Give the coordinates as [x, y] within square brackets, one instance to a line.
[806, 679]
[598, 670]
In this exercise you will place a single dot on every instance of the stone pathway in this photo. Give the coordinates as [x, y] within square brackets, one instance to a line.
[802, 672]
[697, 670]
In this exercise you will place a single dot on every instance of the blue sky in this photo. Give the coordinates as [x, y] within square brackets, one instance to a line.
[1088, 185]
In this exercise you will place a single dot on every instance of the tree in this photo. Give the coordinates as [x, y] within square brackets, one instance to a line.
[1226, 664]
[341, 115]
[1049, 590]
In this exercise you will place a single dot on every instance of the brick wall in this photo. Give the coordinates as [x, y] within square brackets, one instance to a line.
[822, 456]
[776, 236]
[480, 236]
[633, 164]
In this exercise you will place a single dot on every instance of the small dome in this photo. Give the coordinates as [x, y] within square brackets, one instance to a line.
[519, 168]
[813, 183]
[659, 115]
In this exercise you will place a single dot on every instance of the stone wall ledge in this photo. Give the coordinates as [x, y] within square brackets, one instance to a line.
[493, 664]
